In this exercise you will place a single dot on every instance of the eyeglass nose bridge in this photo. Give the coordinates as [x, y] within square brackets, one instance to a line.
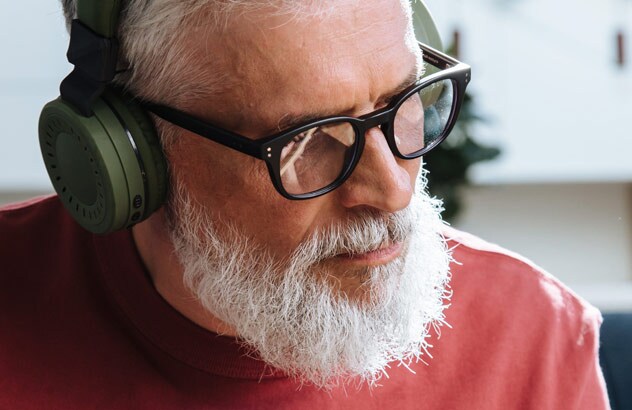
[383, 119]
[377, 119]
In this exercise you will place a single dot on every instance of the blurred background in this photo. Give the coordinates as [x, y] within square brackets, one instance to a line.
[551, 91]
[552, 82]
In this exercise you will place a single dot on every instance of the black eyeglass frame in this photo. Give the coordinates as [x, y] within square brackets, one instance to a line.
[269, 148]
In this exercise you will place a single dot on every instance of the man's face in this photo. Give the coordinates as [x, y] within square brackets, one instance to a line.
[282, 68]
[327, 289]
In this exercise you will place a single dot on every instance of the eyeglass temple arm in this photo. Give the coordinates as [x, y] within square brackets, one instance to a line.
[437, 58]
[206, 130]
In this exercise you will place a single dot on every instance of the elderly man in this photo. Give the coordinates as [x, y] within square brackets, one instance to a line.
[297, 261]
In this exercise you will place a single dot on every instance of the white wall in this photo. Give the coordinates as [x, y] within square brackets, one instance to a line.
[578, 232]
[543, 72]
[581, 233]
[8, 197]
[33, 41]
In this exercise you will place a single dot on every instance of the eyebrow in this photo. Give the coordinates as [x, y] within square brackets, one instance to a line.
[289, 121]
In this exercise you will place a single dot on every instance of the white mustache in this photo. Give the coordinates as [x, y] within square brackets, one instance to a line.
[365, 233]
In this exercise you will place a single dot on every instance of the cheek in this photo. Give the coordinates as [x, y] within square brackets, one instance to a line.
[277, 224]
[412, 167]
[235, 188]
[208, 171]
[416, 166]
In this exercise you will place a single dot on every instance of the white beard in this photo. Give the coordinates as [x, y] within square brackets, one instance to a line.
[291, 314]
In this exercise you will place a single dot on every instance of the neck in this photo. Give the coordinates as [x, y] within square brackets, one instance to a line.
[159, 257]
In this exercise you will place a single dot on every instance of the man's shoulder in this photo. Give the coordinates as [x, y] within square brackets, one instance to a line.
[514, 324]
[17, 215]
[39, 242]
[40, 220]
[527, 311]
[464, 241]
[464, 245]
[517, 336]
[486, 268]
[27, 224]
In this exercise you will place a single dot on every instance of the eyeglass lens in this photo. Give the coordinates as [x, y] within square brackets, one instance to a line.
[422, 118]
[318, 156]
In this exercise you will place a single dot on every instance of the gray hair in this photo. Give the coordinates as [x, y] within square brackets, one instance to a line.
[158, 63]
[159, 66]
[152, 38]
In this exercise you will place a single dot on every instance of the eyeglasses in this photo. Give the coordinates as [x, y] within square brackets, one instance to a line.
[315, 158]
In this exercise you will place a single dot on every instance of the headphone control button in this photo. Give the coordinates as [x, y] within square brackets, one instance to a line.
[138, 201]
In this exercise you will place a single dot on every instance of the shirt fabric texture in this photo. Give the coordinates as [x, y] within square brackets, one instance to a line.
[82, 327]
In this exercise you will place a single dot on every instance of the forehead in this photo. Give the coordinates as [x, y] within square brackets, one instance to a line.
[280, 65]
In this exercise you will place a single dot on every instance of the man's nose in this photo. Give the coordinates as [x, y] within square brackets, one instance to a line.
[379, 180]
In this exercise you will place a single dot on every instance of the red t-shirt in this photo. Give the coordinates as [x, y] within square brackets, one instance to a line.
[82, 327]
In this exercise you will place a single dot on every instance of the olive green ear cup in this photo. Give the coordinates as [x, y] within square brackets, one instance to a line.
[425, 28]
[101, 152]
[100, 165]
[147, 144]
[426, 32]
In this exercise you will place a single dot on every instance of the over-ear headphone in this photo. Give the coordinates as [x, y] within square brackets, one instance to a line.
[100, 148]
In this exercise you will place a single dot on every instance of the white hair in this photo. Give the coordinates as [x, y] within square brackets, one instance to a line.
[293, 314]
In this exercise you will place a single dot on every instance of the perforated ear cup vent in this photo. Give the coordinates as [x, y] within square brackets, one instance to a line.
[96, 148]
[73, 170]
[84, 167]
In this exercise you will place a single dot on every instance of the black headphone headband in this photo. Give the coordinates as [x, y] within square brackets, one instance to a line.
[93, 51]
